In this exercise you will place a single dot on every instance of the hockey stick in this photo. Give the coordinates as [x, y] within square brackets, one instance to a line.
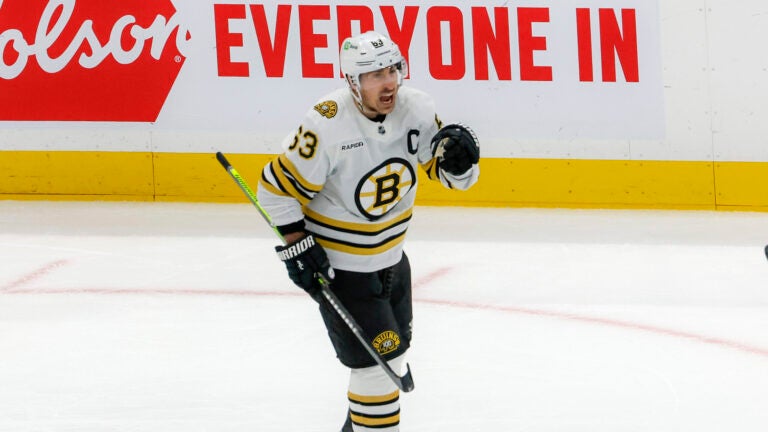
[405, 382]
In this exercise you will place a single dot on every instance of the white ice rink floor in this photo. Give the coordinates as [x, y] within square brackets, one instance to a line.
[148, 317]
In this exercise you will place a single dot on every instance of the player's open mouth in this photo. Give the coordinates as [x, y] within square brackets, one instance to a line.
[386, 100]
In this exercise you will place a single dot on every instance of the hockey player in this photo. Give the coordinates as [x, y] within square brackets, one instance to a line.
[342, 195]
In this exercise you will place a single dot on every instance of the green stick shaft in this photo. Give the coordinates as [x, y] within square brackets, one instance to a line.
[248, 192]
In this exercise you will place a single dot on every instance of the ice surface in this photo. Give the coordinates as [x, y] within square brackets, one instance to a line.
[179, 318]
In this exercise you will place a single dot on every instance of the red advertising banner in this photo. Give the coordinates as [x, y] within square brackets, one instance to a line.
[174, 72]
[449, 29]
[87, 60]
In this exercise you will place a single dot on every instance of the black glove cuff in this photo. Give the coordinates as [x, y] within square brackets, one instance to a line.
[292, 227]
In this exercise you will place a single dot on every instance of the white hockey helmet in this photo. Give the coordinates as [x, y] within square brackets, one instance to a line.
[370, 52]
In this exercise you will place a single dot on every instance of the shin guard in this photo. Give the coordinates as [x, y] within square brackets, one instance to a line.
[374, 401]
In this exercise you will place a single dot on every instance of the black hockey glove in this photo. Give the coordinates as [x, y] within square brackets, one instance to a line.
[456, 148]
[305, 261]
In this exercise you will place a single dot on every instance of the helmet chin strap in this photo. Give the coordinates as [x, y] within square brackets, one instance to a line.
[359, 101]
[365, 110]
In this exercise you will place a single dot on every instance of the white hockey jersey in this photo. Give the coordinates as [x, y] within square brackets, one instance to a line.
[353, 180]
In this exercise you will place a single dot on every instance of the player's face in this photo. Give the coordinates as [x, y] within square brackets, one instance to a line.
[378, 89]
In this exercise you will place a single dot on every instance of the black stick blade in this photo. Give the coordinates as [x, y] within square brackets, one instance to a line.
[406, 381]
[766, 251]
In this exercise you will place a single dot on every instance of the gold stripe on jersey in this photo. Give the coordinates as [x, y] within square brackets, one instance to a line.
[308, 193]
[271, 183]
[270, 166]
[289, 184]
[356, 228]
[388, 420]
[431, 168]
[374, 400]
[358, 248]
[291, 169]
[265, 183]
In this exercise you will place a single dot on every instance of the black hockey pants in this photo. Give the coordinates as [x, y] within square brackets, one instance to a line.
[381, 303]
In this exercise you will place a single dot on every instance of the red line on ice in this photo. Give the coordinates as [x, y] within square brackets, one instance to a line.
[430, 277]
[605, 322]
[725, 343]
[31, 276]
[586, 319]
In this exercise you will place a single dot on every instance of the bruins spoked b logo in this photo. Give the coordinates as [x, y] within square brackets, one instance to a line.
[383, 187]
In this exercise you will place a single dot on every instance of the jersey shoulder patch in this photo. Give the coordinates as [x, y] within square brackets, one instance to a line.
[331, 106]
[327, 109]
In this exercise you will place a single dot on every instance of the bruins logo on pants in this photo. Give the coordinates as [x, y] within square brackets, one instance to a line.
[386, 342]
[383, 187]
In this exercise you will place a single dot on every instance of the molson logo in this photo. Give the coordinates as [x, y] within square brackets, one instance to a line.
[88, 60]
